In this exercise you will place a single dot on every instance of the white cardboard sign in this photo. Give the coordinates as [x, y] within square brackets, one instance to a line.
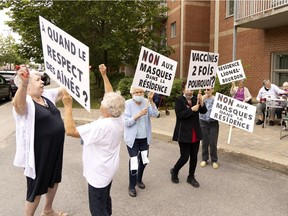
[230, 72]
[202, 70]
[154, 72]
[233, 112]
[66, 61]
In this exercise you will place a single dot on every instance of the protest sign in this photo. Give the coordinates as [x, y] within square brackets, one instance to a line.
[66, 61]
[154, 72]
[230, 72]
[233, 112]
[202, 70]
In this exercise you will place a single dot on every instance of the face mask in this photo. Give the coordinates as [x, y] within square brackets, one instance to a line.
[138, 99]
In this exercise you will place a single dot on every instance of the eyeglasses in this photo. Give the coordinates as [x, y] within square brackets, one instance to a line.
[207, 89]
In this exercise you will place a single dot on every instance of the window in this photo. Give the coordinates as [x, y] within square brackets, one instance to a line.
[173, 30]
[280, 68]
[229, 8]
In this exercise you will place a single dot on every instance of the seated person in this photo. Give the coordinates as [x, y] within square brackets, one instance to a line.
[267, 91]
[241, 92]
[279, 111]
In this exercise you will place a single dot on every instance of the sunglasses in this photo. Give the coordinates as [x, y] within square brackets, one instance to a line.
[207, 89]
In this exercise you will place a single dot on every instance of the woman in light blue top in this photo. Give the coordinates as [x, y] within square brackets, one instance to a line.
[210, 130]
[137, 134]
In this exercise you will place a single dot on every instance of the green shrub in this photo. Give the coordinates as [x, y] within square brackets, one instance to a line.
[223, 89]
[169, 102]
[115, 78]
[176, 90]
[124, 87]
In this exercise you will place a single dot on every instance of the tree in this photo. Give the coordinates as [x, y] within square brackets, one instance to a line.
[9, 51]
[113, 30]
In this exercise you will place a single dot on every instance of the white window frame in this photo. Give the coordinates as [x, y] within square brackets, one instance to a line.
[279, 75]
[230, 8]
[173, 30]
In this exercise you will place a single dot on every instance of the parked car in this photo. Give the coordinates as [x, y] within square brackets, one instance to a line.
[9, 76]
[5, 89]
[46, 79]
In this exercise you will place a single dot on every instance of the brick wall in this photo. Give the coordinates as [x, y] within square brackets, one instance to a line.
[254, 46]
[196, 30]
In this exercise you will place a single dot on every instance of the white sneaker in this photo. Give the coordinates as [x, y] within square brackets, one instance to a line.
[215, 165]
[203, 163]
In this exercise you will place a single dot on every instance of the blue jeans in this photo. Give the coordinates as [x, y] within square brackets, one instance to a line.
[100, 202]
[136, 175]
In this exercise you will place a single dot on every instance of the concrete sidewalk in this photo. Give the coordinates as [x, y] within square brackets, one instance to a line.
[263, 146]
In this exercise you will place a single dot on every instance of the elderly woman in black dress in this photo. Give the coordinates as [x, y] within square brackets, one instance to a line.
[39, 140]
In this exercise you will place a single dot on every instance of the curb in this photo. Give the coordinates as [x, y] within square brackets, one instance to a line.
[80, 121]
[255, 161]
[238, 157]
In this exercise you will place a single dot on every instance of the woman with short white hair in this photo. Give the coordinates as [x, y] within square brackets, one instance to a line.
[101, 145]
[267, 91]
[39, 139]
[138, 134]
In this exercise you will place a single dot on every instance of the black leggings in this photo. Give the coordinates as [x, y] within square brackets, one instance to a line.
[188, 150]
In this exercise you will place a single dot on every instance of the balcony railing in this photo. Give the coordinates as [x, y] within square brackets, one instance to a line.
[163, 4]
[251, 8]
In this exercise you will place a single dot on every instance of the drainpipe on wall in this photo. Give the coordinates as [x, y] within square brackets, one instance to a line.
[216, 27]
[181, 37]
[234, 32]
[233, 55]
[234, 43]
